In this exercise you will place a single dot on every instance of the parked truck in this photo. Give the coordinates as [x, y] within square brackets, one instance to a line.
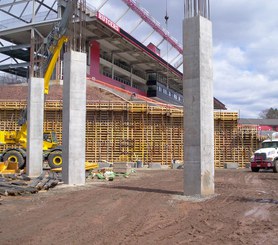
[267, 156]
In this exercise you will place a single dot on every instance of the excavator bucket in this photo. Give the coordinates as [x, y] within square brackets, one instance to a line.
[3, 166]
[9, 167]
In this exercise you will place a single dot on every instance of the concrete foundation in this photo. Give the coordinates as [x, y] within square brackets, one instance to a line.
[74, 118]
[198, 107]
[155, 165]
[35, 110]
[231, 165]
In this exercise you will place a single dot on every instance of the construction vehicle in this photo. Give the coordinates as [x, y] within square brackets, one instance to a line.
[267, 156]
[52, 152]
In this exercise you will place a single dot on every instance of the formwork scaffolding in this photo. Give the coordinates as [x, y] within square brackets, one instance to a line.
[231, 142]
[140, 131]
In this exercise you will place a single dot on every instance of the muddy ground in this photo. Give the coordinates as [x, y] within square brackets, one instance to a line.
[147, 208]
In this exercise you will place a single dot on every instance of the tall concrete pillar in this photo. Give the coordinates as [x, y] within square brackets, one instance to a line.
[35, 109]
[198, 107]
[74, 118]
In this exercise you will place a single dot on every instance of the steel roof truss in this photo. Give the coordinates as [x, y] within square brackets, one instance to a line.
[26, 5]
[136, 26]
[14, 3]
[172, 60]
[122, 15]
[104, 2]
[148, 36]
[14, 16]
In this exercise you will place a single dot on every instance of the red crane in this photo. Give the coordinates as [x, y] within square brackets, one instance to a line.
[148, 19]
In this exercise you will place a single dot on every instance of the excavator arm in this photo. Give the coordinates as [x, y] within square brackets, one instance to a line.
[52, 63]
[54, 44]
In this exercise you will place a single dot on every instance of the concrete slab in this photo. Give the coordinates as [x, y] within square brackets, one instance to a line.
[155, 165]
[231, 165]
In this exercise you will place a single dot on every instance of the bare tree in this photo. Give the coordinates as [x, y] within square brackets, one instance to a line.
[271, 113]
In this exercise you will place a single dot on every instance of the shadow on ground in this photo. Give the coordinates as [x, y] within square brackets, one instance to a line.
[141, 189]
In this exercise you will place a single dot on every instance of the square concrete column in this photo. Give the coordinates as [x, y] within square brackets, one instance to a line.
[198, 107]
[35, 109]
[74, 118]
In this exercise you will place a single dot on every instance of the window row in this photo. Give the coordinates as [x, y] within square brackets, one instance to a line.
[170, 93]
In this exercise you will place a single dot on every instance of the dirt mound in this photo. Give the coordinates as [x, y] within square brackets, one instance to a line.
[20, 92]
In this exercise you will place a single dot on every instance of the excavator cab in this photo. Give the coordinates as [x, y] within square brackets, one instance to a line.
[49, 140]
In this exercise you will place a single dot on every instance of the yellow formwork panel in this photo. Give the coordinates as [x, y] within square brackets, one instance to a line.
[139, 131]
[225, 116]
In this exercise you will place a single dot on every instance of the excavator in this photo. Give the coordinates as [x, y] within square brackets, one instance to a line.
[52, 152]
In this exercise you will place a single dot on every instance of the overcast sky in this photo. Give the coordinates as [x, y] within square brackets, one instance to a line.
[245, 38]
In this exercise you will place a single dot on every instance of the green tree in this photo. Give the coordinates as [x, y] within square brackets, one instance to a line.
[271, 113]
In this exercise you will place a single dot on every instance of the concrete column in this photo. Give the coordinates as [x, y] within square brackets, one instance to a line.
[198, 107]
[74, 118]
[35, 109]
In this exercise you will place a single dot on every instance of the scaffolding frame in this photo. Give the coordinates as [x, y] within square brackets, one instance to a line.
[141, 131]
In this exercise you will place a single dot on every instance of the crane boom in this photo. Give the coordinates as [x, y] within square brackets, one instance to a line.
[52, 62]
[54, 44]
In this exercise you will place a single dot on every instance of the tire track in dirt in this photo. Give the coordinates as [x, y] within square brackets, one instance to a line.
[142, 210]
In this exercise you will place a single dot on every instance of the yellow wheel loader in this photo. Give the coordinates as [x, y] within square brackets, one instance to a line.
[17, 140]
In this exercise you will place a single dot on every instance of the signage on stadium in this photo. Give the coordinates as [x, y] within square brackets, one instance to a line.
[108, 22]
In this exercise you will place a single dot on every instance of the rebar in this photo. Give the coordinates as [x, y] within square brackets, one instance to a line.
[77, 26]
[194, 8]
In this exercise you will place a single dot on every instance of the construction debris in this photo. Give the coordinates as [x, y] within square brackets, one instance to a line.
[15, 188]
[107, 175]
[122, 167]
[176, 164]
[20, 184]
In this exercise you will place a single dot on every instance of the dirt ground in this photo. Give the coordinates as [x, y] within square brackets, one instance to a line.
[147, 208]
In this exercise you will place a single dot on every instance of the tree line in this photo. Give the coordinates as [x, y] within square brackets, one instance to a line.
[271, 113]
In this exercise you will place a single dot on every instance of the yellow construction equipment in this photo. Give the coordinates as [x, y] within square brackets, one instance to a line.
[88, 166]
[52, 63]
[17, 140]
[8, 167]
[52, 153]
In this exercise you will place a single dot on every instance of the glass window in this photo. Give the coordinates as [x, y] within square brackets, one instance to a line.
[152, 76]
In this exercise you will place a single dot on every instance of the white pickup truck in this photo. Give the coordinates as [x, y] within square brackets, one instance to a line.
[267, 156]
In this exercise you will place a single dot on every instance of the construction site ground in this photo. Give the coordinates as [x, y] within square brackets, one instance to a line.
[147, 208]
